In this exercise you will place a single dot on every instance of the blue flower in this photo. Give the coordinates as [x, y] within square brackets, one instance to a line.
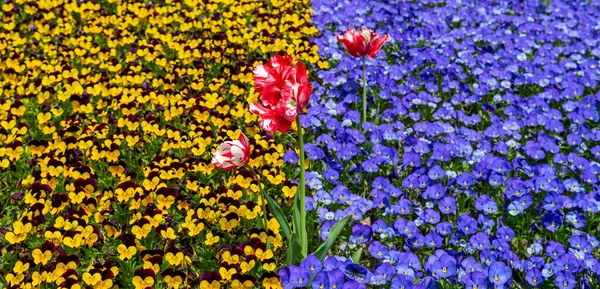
[405, 228]
[314, 183]
[325, 228]
[401, 282]
[442, 265]
[370, 166]
[564, 280]
[290, 157]
[576, 219]
[299, 277]
[435, 191]
[402, 207]
[321, 281]
[475, 279]
[382, 274]
[377, 250]
[356, 272]
[552, 221]
[433, 240]
[471, 265]
[488, 256]
[379, 226]
[352, 284]
[363, 233]
[430, 216]
[447, 205]
[466, 224]
[499, 274]
[465, 179]
[312, 264]
[569, 263]
[336, 278]
[436, 172]
[480, 241]
[330, 263]
[534, 277]
[322, 197]
[444, 228]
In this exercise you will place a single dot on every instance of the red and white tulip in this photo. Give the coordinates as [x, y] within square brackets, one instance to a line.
[284, 90]
[232, 154]
[364, 42]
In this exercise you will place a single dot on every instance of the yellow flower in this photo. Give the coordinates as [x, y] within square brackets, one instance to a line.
[210, 239]
[92, 279]
[40, 257]
[210, 285]
[20, 267]
[140, 283]
[174, 259]
[126, 252]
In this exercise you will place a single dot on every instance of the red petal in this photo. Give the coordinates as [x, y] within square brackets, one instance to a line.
[270, 78]
[244, 141]
[271, 121]
[354, 43]
[225, 166]
[376, 44]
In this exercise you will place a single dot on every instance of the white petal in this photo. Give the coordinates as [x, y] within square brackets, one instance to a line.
[260, 71]
[237, 152]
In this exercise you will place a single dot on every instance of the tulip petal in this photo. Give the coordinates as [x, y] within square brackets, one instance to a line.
[376, 44]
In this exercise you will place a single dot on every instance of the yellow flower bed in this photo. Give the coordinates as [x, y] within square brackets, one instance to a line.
[109, 113]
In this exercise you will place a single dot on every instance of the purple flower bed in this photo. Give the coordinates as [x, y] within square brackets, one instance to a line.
[478, 167]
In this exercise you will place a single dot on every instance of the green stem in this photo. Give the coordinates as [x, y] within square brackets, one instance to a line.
[300, 195]
[364, 90]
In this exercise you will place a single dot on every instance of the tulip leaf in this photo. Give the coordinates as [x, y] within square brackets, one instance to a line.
[278, 214]
[299, 221]
[333, 234]
[356, 255]
[293, 251]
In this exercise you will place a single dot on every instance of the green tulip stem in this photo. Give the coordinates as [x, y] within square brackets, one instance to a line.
[300, 194]
[364, 96]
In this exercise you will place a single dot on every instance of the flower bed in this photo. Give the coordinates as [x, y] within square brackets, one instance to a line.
[478, 165]
[110, 112]
[141, 142]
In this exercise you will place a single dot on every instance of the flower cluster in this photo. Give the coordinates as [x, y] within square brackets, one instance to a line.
[110, 112]
[479, 165]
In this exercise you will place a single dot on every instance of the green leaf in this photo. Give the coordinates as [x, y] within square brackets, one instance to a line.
[278, 214]
[333, 234]
[293, 250]
[356, 255]
[368, 145]
[296, 219]
[259, 224]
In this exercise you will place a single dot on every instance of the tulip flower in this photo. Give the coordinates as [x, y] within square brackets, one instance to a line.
[232, 154]
[362, 43]
[284, 90]
[365, 42]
